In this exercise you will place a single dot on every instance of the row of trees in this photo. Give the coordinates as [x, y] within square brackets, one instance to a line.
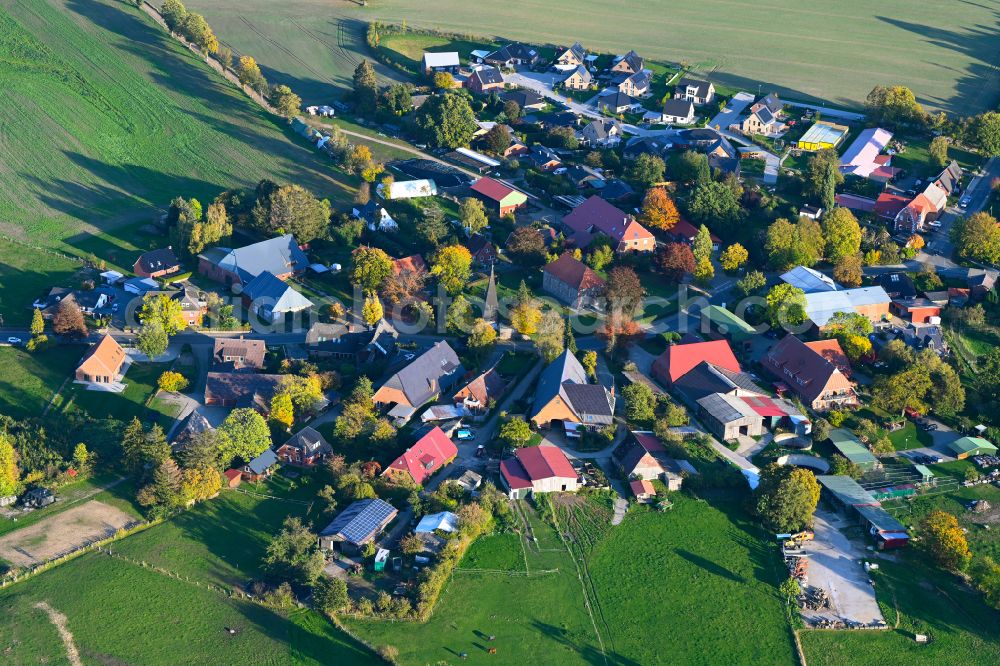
[897, 106]
[192, 27]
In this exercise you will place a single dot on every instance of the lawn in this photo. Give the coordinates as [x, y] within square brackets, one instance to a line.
[962, 629]
[107, 118]
[29, 381]
[118, 612]
[25, 273]
[910, 437]
[314, 45]
[219, 543]
[693, 573]
[407, 50]
[140, 384]
[536, 619]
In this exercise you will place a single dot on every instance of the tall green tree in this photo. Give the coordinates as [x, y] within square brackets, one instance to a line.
[446, 121]
[787, 497]
[294, 210]
[824, 176]
[977, 237]
[842, 233]
[715, 202]
[365, 87]
[472, 213]
[293, 554]
[285, 101]
[152, 340]
[246, 435]
[647, 170]
[785, 305]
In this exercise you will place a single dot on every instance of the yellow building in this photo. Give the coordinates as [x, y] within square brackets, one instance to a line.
[822, 135]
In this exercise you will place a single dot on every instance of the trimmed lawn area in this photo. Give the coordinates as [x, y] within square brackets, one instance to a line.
[515, 364]
[407, 49]
[710, 565]
[962, 629]
[140, 381]
[714, 572]
[910, 437]
[539, 618]
[28, 381]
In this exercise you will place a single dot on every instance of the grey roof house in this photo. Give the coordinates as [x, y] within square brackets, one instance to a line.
[422, 380]
[563, 395]
[271, 299]
[280, 256]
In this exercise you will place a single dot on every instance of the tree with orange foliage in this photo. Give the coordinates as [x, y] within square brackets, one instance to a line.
[659, 210]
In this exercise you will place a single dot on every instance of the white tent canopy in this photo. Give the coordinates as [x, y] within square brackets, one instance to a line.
[445, 521]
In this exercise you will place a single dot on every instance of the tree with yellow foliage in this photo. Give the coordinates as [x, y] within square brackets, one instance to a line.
[944, 539]
[733, 257]
[659, 210]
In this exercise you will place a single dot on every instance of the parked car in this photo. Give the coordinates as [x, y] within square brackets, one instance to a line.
[480, 451]
[964, 201]
[14, 340]
[463, 434]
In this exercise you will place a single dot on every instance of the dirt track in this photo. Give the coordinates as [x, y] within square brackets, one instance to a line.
[62, 533]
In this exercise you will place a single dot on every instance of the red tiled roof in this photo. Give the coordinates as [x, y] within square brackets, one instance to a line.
[106, 357]
[413, 263]
[232, 473]
[545, 462]
[426, 456]
[678, 360]
[649, 442]
[888, 204]
[831, 350]
[642, 487]
[764, 406]
[491, 189]
[597, 215]
[513, 472]
[574, 273]
[687, 231]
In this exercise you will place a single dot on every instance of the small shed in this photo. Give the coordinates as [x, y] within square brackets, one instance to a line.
[233, 476]
[260, 467]
[381, 557]
[727, 324]
[926, 475]
[966, 447]
[851, 448]
[446, 521]
[642, 489]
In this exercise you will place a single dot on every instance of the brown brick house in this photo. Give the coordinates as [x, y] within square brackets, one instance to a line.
[239, 353]
[596, 215]
[810, 374]
[157, 263]
[573, 282]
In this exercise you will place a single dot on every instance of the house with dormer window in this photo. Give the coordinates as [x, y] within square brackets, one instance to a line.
[596, 216]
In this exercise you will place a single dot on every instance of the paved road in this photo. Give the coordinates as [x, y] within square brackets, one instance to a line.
[939, 247]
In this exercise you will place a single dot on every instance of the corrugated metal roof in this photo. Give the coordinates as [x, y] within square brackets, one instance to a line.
[809, 280]
[847, 490]
[851, 447]
[881, 520]
[821, 306]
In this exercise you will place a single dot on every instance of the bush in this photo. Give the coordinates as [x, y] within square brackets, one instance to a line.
[172, 382]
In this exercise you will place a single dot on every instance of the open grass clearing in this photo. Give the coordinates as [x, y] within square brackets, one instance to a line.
[28, 381]
[109, 118]
[25, 273]
[119, 612]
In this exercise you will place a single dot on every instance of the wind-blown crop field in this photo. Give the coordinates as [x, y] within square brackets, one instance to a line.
[833, 51]
[104, 118]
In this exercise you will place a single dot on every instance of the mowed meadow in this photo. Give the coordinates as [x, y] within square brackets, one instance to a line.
[806, 49]
[104, 118]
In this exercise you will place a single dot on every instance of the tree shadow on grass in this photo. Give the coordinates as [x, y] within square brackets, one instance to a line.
[588, 653]
[708, 565]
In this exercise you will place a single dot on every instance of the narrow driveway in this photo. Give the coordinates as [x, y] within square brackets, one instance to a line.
[732, 111]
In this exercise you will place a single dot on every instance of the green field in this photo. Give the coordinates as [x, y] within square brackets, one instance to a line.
[120, 612]
[25, 273]
[665, 588]
[107, 118]
[140, 384]
[29, 381]
[807, 50]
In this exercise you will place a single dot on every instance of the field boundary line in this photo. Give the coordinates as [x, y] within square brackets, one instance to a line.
[284, 499]
[526, 574]
[583, 587]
